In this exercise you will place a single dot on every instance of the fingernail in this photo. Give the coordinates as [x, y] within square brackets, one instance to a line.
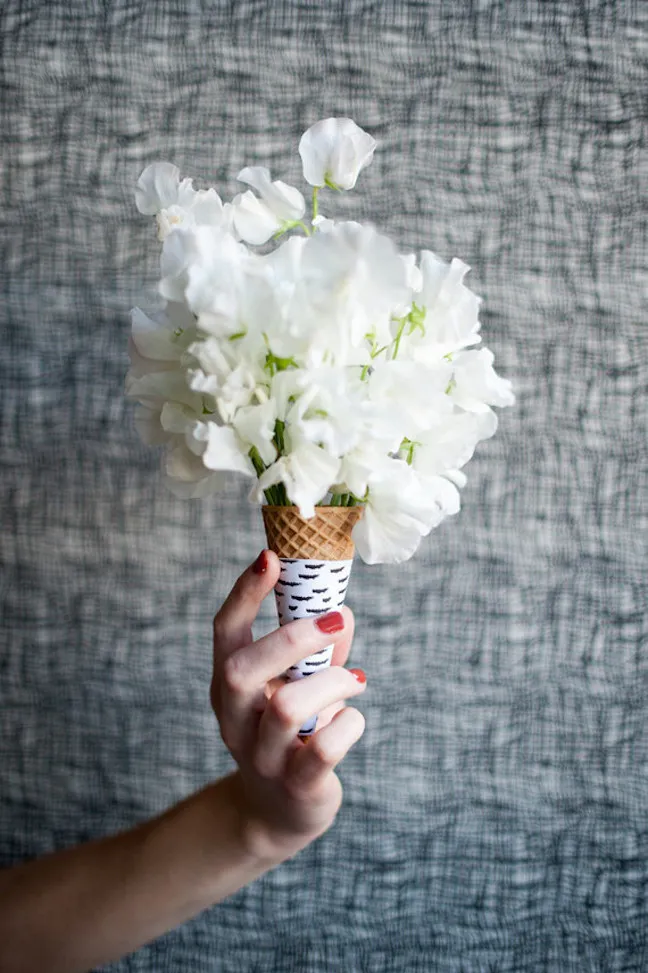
[360, 675]
[332, 622]
[260, 566]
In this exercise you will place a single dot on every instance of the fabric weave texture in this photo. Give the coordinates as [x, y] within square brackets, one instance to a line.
[495, 814]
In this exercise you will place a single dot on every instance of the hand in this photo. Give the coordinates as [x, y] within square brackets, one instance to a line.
[288, 793]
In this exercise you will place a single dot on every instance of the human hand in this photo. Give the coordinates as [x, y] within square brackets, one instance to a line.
[287, 790]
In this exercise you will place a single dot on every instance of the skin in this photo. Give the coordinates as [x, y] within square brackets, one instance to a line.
[94, 903]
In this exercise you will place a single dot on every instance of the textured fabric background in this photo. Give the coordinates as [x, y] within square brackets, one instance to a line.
[496, 814]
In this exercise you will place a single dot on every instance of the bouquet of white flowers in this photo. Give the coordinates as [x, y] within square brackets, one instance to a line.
[338, 374]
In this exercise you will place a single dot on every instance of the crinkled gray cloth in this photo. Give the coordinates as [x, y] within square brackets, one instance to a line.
[496, 810]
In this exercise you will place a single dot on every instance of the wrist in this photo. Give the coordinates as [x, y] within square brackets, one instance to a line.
[269, 835]
[257, 842]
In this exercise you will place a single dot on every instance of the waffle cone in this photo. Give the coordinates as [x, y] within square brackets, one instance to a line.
[326, 536]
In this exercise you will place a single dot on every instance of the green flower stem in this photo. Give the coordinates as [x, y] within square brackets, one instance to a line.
[399, 335]
[260, 467]
[316, 189]
[343, 500]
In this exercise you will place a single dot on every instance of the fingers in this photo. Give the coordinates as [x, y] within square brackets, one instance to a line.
[291, 706]
[255, 664]
[310, 765]
[233, 623]
[238, 689]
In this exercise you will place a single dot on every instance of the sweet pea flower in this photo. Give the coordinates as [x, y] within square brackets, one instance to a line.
[160, 193]
[220, 448]
[476, 385]
[450, 319]
[204, 268]
[351, 279]
[255, 425]
[331, 365]
[279, 208]
[185, 474]
[334, 151]
[307, 471]
[399, 510]
[451, 442]
[161, 336]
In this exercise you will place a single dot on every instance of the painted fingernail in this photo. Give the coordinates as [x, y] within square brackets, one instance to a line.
[360, 675]
[260, 566]
[332, 622]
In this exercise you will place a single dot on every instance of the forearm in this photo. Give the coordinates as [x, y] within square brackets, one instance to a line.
[96, 902]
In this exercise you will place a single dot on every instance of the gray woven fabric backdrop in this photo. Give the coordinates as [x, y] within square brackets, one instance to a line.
[496, 813]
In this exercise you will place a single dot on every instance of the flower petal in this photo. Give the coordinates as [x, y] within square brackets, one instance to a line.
[157, 188]
[334, 151]
[254, 220]
[224, 450]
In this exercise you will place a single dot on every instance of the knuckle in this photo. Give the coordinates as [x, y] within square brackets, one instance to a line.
[291, 634]
[282, 710]
[321, 753]
[233, 675]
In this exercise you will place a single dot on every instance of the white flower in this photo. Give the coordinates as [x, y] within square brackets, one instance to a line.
[450, 443]
[186, 476]
[204, 267]
[255, 425]
[153, 389]
[148, 426]
[229, 378]
[401, 508]
[351, 279]
[220, 448]
[359, 465]
[451, 310]
[160, 193]
[332, 363]
[164, 335]
[475, 383]
[307, 471]
[334, 151]
[280, 206]
[415, 393]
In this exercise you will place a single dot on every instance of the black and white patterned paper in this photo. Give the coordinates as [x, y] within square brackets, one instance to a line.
[307, 588]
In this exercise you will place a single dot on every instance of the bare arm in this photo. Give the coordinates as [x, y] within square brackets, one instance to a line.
[91, 904]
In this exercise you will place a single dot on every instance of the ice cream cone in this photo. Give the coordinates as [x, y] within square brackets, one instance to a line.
[316, 557]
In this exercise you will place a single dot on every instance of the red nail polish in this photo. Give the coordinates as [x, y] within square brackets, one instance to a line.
[260, 566]
[332, 622]
[360, 675]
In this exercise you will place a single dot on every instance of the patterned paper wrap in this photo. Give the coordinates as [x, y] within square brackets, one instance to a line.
[306, 588]
[315, 582]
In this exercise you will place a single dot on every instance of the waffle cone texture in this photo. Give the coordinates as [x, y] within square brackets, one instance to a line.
[326, 536]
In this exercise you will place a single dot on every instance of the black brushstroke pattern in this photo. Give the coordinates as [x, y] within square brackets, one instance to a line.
[314, 567]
